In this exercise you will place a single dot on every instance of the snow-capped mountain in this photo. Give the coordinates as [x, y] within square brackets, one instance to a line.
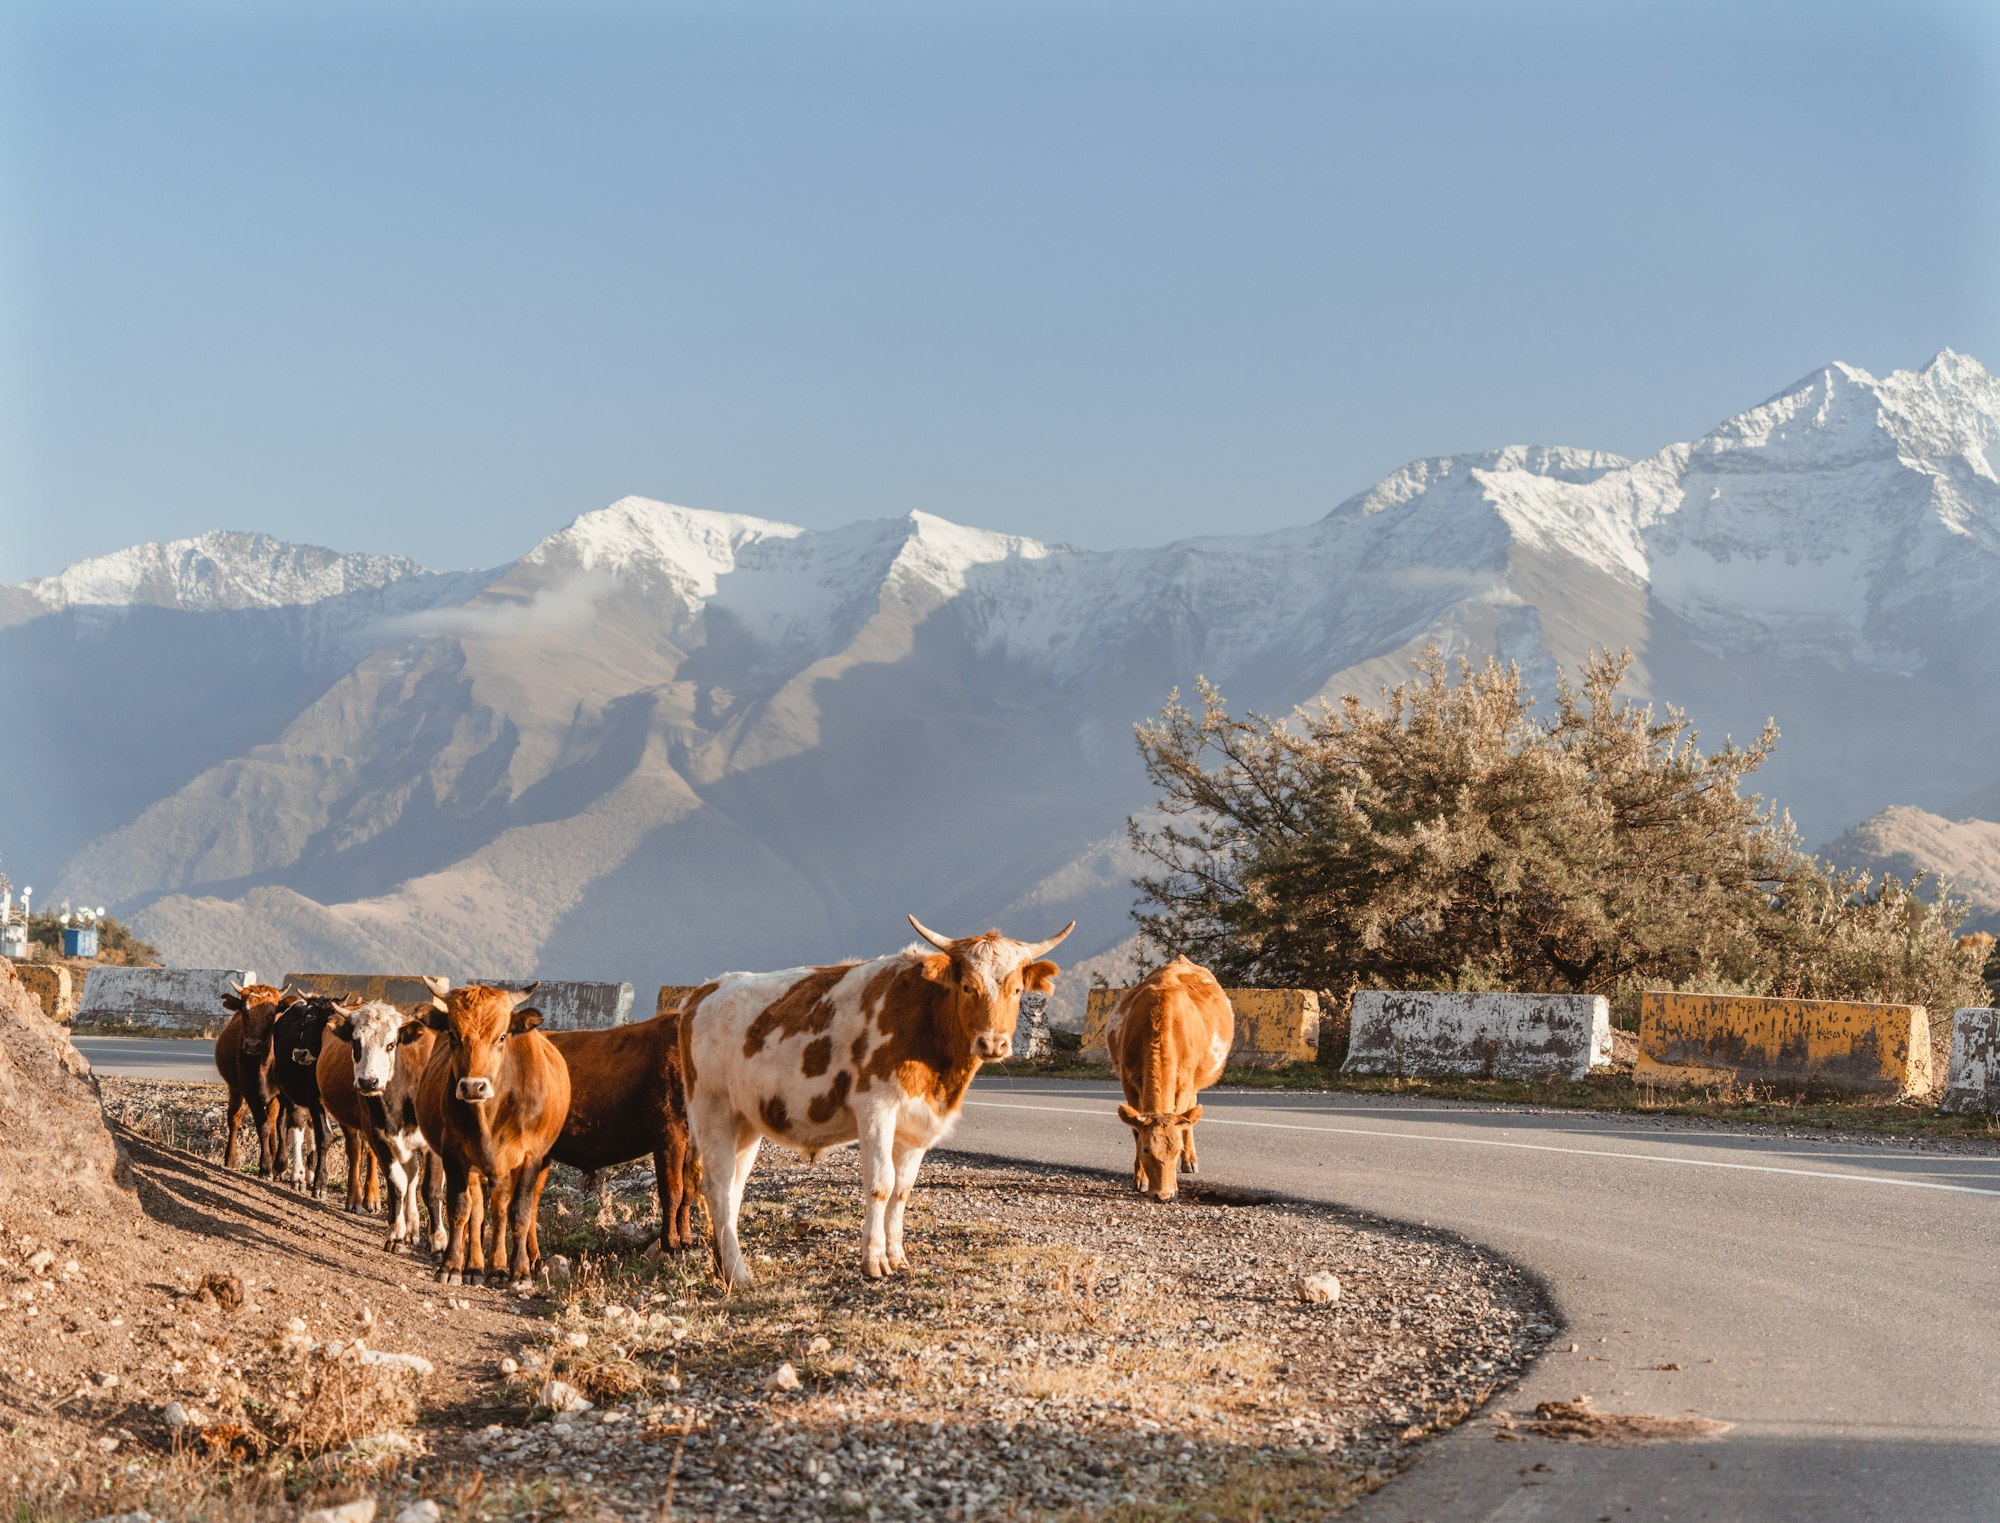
[665, 741]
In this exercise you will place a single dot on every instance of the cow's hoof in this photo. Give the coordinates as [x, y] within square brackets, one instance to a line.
[875, 1266]
[450, 1277]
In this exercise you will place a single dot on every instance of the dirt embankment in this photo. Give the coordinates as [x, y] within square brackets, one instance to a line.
[1062, 1349]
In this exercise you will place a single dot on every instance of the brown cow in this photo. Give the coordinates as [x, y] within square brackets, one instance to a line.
[371, 1066]
[243, 1056]
[1168, 1036]
[880, 1052]
[492, 1103]
[626, 1099]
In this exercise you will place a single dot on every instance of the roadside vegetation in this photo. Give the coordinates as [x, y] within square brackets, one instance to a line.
[1457, 835]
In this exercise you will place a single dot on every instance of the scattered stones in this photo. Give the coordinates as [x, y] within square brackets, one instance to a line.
[784, 1378]
[820, 1345]
[561, 1396]
[1321, 1288]
[178, 1417]
[362, 1510]
[416, 1364]
[104, 1380]
[425, 1511]
[39, 1261]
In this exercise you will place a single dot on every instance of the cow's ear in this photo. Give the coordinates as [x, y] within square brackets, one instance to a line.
[1130, 1117]
[1189, 1116]
[524, 1020]
[409, 1031]
[1039, 976]
[437, 1020]
[937, 968]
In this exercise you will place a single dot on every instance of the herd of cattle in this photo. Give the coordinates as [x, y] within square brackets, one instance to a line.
[463, 1107]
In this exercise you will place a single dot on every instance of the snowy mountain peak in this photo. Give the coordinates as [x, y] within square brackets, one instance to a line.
[222, 569]
[687, 547]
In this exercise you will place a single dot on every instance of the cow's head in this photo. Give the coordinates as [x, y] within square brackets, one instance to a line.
[307, 1028]
[373, 1031]
[476, 1022]
[260, 1005]
[1161, 1136]
[984, 976]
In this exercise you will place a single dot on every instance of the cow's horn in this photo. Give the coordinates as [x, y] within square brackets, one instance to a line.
[1043, 948]
[439, 987]
[238, 988]
[942, 943]
[526, 994]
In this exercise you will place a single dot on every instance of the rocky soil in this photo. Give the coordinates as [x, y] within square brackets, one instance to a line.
[1062, 1349]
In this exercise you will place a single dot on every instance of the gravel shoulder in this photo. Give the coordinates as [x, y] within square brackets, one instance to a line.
[1063, 1349]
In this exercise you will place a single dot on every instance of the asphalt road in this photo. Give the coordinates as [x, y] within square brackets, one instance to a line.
[1839, 1302]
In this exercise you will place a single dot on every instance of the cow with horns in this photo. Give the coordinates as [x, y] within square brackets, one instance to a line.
[877, 1052]
[245, 1054]
[491, 1104]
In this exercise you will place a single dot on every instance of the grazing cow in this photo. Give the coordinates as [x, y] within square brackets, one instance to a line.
[1169, 1037]
[295, 1043]
[491, 1103]
[626, 1099]
[243, 1056]
[370, 1067]
[880, 1052]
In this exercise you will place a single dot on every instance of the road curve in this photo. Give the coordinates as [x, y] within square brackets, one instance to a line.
[1835, 1300]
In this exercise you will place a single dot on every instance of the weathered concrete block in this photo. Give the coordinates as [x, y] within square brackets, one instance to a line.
[566, 1005]
[1972, 1079]
[53, 988]
[1274, 1027]
[1792, 1043]
[1031, 1029]
[574, 1005]
[183, 1001]
[1420, 1035]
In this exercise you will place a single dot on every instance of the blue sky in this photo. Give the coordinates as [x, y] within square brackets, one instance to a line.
[433, 279]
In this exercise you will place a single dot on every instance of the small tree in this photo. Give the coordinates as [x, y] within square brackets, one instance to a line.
[1452, 837]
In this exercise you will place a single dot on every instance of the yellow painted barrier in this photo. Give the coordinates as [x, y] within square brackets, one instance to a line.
[672, 997]
[1792, 1043]
[1274, 1027]
[53, 988]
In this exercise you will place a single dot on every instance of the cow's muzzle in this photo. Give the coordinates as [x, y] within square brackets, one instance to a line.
[477, 1091]
[304, 1055]
[371, 1086]
[993, 1048]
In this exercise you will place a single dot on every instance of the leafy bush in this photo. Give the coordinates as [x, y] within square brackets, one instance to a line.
[116, 944]
[1452, 836]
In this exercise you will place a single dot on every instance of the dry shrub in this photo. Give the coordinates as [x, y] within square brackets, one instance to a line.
[334, 1402]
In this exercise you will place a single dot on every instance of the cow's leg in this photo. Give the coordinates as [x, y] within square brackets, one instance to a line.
[267, 1139]
[878, 1183]
[475, 1233]
[675, 1189]
[233, 1120]
[458, 1192]
[371, 1191]
[908, 1160]
[322, 1137]
[1138, 1161]
[434, 1200]
[401, 1193]
[1189, 1163]
[527, 1206]
[499, 1209]
[730, 1151]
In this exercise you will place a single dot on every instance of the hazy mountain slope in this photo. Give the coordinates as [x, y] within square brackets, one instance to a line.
[1905, 841]
[665, 742]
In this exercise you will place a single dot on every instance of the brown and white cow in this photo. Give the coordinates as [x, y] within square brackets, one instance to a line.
[371, 1064]
[491, 1103]
[627, 1099]
[1169, 1037]
[877, 1052]
[244, 1055]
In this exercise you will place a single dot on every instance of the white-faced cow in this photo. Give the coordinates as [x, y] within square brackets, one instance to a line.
[370, 1067]
[492, 1103]
[1169, 1037]
[880, 1052]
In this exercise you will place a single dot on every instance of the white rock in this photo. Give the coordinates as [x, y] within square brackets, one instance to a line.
[819, 1345]
[39, 1261]
[784, 1378]
[296, 1325]
[140, 1516]
[361, 1510]
[510, 1366]
[1322, 1288]
[104, 1380]
[178, 1416]
[107, 1443]
[416, 1364]
[561, 1396]
[425, 1511]
[577, 1340]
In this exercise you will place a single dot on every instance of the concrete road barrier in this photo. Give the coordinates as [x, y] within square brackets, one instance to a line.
[179, 1001]
[407, 992]
[1274, 1027]
[1792, 1043]
[1423, 1035]
[53, 988]
[574, 1005]
[1972, 1079]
